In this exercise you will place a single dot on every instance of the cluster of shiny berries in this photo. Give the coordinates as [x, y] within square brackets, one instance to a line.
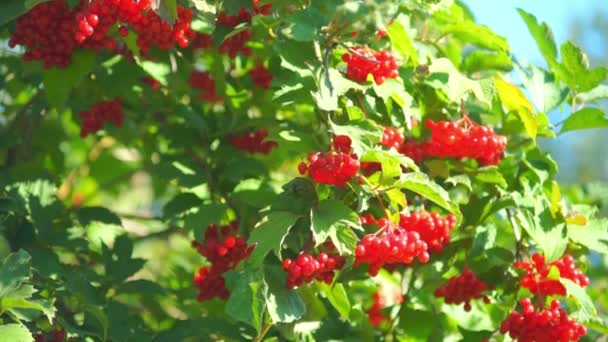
[463, 289]
[336, 167]
[106, 111]
[369, 219]
[238, 42]
[432, 227]
[47, 32]
[362, 61]
[544, 325]
[390, 246]
[261, 76]
[58, 335]
[205, 84]
[202, 41]
[306, 268]
[459, 140]
[51, 31]
[151, 82]
[223, 249]
[537, 278]
[253, 142]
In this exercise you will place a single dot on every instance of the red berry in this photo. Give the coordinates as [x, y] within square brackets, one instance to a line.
[462, 289]
[108, 111]
[253, 142]
[364, 61]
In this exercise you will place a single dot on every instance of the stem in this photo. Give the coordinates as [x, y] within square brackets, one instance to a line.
[517, 234]
[360, 103]
[377, 195]
[263, 333]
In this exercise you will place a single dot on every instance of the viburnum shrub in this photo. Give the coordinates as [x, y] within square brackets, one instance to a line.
[263, 170]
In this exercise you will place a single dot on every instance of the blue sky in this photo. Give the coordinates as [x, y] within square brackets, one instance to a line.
[501, 16]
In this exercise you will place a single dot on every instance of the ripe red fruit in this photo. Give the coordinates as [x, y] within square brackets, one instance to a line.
[542, 325]
[224, 250]
[433, 229]
[261, 76]
[335, 168]
[342, 143]
[123, 31]
[307, 268]
[203, 81]
[101, 112]
[362, 61]
[391, 248]
[537, 272]
[374, 313]
[463, 289]
[253, 142]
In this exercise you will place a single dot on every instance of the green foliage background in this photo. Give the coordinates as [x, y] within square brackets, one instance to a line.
[96, 231]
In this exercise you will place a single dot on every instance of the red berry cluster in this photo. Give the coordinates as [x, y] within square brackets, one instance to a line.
[391, 247]
[202, 41]
[47, 32]
[433, 229]
[93, 120]
[374, 313]
[238, 42]
[460, 140]
[306, 268]
[223, 249]
[58, 335]
[362, 61]
[537, 272]
[96, 20]
[253, 142]
[202, 81]
[151, 82]
[391, 137]
[261, 76]
[414, 150]
[463, 289]
[369, 219]
[548, 325]
[335, 167]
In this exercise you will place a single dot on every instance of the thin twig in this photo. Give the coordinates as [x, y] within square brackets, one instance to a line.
[517, 234]
[263, 333]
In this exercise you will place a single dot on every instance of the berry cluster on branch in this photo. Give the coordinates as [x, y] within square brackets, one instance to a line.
[433, 229]
[307, 268]
[537, 278]
[542, 325]
[202, 81]
[463, 289]
[101, 112]
[261, 76]
[224, 250]
[362, 61]
[253, 142]
[334, 167]
[57, 335]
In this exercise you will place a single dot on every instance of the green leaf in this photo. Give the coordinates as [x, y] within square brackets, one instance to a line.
[204, 216]
[329, 219]
[15, 333]
[542, 34]
[421, 184]
[417, 324]
[391, 165]
[544, 91]
[11, 9]
[337, 297]
[574, 70]
[87, 215]
[247, 301]
[585, 118]
[586, 310]
[514, 100]
[180, 203]
[479, 60]
[475, 34]
[400, 39]
[331, 87]
[166, 9]
[269, 234]
[593, 235]
[234, 6]
[594, 95]
[365, 134]
[490, 174]
[44, 306]
[14, 270]
[58, 83]
[306, 25]
[284, 305]
[457, 85]
[550, 236]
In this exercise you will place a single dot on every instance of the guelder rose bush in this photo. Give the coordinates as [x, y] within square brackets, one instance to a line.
[301, 170]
